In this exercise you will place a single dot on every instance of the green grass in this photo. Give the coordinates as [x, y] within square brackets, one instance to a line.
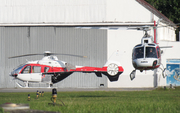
[156, 101]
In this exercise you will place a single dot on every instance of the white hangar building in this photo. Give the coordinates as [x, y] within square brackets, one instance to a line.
[35, 26]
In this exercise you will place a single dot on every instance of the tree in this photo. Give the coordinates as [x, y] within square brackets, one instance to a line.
[170, 8]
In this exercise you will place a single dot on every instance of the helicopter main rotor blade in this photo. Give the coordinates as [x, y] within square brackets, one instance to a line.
[24, 55]
[69, 55]
[48, 54]
[144, 28]
[166, 47]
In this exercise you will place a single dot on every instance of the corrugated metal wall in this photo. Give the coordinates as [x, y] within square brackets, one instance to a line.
[23, 40]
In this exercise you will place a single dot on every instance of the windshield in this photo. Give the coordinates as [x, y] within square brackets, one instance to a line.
[16, 71]
[151, 52]
[138, 53]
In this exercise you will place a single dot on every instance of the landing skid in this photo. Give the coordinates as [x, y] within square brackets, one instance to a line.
[26, 86]
[132, 75]
[163, 71]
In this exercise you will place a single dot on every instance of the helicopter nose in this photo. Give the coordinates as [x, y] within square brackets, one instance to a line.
[13, 74]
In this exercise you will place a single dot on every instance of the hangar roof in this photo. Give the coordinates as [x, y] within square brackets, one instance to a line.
[79, 12]
[155, 11]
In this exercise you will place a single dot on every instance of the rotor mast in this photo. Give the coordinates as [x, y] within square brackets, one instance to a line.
[155, 32]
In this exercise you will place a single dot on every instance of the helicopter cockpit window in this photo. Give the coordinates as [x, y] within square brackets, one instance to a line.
[158, 51]
[138, 53]
[46, 69]
[16, 71]
[36, 69]
[27, 69]
[151, 52]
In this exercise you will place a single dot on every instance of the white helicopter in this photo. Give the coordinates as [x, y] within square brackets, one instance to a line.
[50, 70]
[147, 55]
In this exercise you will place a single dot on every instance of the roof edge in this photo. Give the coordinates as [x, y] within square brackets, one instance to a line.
[79, 24]
[156, 12]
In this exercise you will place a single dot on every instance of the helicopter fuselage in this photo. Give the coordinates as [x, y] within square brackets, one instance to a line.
[146, 56]
[52, 70]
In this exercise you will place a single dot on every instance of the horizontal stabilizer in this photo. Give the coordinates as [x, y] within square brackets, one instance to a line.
[112, 78]
[98, 74]
[166, 47]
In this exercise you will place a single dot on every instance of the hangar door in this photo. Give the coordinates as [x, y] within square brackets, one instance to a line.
[68, 40]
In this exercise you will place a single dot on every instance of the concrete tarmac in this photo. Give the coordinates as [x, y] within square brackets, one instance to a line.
[72, 89]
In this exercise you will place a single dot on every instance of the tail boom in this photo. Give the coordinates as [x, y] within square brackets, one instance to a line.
[111, 69]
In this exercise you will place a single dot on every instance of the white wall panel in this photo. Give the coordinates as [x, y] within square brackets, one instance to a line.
[124, 41]
[49, 11]
[68, 11]
[166, 33]
[168, 53]
[127, 11]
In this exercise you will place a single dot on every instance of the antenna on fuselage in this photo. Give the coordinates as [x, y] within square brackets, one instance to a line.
[47, 53]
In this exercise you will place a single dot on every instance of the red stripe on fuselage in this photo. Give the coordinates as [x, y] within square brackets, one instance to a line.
[95, 69]
[83, 69]
[147, 68]
[78, 69]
